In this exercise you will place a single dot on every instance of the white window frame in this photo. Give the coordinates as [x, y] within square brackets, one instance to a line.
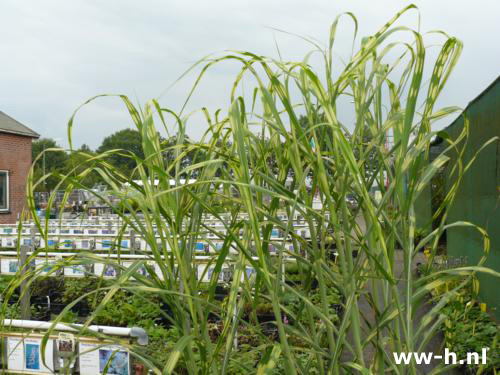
[7, 207]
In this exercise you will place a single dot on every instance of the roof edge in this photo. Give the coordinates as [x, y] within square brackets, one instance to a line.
[479, 96]
[495, 81]
[21, 134]
[16, 127]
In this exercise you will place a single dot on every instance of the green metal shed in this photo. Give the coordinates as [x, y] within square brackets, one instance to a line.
[478, 197]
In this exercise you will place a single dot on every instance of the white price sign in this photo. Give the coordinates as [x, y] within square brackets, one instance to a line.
[94, 360]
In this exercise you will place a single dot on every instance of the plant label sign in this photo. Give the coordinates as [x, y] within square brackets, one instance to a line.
[15, 354]
[65, 345]
[25, 356]
[9, 265]
[96, 359]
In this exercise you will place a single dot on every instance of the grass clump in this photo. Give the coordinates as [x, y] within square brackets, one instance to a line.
[269, 156]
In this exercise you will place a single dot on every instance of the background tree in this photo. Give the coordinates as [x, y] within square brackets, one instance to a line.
[85, 148]
[190, 155]
[78, 162]
[126, 139]
[51, 161]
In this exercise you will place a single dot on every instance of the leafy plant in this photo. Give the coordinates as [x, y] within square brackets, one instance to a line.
[325, 158]
[467, 329]
[125, 310]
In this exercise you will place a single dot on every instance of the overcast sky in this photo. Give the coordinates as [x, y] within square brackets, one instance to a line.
[56, 54]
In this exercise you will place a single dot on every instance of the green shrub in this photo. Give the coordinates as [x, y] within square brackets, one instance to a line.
[467, 329]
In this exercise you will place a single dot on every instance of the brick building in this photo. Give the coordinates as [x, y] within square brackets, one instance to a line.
[15, 161]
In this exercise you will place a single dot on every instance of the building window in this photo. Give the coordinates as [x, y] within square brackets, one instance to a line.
[4, 191]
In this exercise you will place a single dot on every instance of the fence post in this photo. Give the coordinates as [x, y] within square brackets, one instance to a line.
[132, 242]
[25, 291]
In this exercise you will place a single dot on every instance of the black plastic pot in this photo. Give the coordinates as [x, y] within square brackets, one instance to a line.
[339, 309]
[56, 308]
[265, 318]
[270, 330]
[81, 309]
[162, 320]
[39, 300]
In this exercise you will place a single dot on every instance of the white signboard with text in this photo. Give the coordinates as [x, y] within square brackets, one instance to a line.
[25, 355]
[95, 359]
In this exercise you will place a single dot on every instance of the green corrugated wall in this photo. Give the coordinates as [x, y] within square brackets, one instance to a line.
[478, 198]
[423, 210]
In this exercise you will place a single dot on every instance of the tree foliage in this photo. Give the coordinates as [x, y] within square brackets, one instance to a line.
[126, 142]
[52, 160]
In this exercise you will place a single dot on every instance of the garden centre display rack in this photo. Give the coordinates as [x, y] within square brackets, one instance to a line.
[60, 264]
[106, 234]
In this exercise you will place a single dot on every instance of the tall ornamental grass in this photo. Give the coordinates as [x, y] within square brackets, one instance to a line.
[250, 149]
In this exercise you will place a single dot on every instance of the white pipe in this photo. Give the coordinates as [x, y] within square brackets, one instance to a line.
[115, 331]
